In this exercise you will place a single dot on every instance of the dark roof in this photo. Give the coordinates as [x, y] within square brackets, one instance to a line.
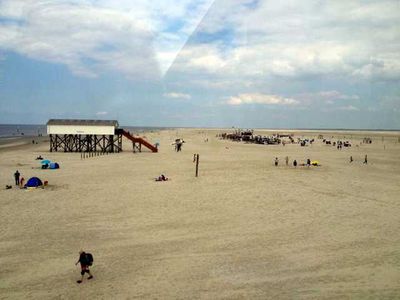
[83, 122]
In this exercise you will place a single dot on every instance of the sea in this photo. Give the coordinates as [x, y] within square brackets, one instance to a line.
[9, 131]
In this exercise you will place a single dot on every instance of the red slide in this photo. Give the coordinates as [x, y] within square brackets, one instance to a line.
[138, 140]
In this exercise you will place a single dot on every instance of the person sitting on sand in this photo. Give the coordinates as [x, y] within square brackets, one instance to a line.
[84, 266]
[295, 163]
[308, 162]
[276, 161]
[161, 178]
[39, 157]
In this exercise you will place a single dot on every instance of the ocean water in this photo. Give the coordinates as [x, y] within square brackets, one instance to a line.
[7, 130]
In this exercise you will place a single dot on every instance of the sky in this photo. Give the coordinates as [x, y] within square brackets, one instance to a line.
[202, 63]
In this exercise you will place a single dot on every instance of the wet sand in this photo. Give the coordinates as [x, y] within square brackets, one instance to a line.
[244, 229]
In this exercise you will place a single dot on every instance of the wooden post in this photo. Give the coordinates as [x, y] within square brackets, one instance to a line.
[197, 165]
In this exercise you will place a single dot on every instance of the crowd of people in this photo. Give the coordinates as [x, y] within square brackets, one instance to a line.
[308, 162]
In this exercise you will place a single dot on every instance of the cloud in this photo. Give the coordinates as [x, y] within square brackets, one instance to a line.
[349, 108]
[175, 95]
[256, 98]
[300, 40]
[101, 113]
[89, 40]
[204, 58]
[250, 39]
[132, 38]
[335, 95]
[328, 97]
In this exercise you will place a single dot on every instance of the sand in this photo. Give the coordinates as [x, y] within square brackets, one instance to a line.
[244, 229]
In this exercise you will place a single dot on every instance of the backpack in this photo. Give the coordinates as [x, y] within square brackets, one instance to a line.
[89, 259]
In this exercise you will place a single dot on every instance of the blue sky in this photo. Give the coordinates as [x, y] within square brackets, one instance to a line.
[264, 64]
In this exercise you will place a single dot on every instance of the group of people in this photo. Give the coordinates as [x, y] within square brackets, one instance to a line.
[365, 159]
[276, 162]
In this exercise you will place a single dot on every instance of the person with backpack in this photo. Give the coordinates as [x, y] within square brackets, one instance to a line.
[86, 260]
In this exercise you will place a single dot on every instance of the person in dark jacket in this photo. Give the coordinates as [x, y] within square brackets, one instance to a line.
[84, 266]
[16, 176]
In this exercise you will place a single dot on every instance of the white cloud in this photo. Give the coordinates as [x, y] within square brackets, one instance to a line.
[295, 39]
[175, 95]
[206, 58]
[141, 38]
[334, 95]
[257, 98]
[349, 108]
[88, 39]
[328, 97]
[92, 37]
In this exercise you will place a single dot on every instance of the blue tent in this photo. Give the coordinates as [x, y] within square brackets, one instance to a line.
[33, 182]
[54, 166]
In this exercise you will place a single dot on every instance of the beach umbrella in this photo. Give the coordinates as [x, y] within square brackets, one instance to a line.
[45, 162]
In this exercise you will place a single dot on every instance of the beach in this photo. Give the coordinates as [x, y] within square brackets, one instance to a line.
[243, 229]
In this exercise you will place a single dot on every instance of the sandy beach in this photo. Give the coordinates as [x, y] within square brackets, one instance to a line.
[244, 229]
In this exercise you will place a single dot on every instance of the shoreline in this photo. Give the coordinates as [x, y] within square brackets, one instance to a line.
[20, 142]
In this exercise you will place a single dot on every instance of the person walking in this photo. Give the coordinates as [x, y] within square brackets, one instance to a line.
[351, 159]
[366, 159]
[295, 163]
[16, 176]
[287, 160]
[85, 261]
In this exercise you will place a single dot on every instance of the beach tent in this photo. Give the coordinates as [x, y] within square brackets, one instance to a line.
[33, 182]
[54, 166]
[45, 162]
